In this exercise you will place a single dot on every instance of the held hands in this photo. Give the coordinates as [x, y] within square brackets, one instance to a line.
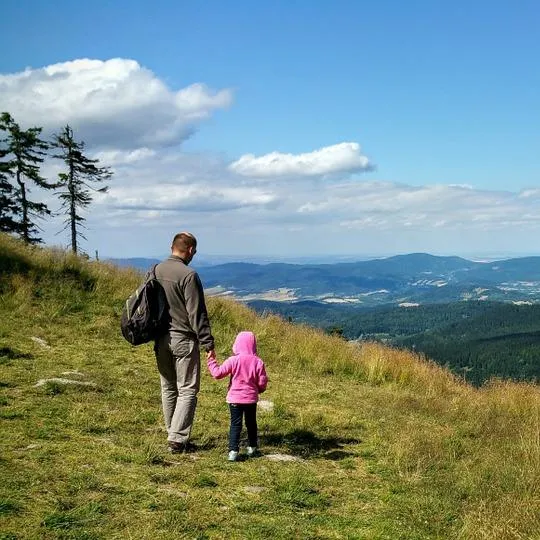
[211, 355]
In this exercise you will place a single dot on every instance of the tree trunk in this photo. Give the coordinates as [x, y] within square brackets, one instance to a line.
[72, 209]
[25, 222]
[73, 228]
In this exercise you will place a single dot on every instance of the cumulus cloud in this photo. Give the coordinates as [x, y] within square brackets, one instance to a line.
[113, 103]
[345, 157]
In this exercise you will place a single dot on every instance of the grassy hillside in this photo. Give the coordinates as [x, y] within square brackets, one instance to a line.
[390, 445]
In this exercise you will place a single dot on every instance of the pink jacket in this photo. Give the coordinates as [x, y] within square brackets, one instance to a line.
[248, 375]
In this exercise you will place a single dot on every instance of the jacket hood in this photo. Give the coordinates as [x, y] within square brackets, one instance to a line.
[245, 343]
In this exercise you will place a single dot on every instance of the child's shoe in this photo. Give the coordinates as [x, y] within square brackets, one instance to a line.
[252, 451]
[233, 455]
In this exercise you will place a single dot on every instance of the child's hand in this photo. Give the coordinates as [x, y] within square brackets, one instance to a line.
[211, 355]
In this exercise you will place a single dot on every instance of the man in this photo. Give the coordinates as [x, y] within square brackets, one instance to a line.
[177, 352]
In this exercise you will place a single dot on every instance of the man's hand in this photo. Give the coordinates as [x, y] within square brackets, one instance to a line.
[211, 355]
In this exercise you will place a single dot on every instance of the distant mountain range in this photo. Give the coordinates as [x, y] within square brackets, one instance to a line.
[405, 280]
[478, 318]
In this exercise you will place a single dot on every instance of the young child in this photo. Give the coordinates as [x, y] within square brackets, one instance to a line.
[248, 380]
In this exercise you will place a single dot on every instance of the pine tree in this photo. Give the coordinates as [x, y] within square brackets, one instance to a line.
[76, 181]
[21, 154]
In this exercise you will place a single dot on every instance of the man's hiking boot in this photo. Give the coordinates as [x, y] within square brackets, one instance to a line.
[180, 447]
[233, 455]
[176, 447]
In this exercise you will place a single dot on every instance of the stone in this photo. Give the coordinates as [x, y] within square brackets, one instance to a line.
[73, 373]
[41, 342]
[282, 457]
[254, 489]
[265, 405]
[60, 380]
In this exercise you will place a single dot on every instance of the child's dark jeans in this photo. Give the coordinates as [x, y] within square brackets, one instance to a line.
[249, 412]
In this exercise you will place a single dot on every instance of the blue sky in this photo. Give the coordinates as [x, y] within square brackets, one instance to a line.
[435, 95]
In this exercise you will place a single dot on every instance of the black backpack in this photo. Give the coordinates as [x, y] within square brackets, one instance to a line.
[145, 316]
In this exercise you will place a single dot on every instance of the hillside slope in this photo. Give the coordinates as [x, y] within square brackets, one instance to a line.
[387, 445]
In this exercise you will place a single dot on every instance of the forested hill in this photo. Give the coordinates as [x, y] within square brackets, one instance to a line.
[477, 340]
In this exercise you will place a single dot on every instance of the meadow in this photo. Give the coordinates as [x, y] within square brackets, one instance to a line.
[386, 444]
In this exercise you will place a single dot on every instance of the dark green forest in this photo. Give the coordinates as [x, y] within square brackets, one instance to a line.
[476, 340]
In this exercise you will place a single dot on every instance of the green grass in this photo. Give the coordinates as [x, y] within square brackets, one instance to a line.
[391, 446]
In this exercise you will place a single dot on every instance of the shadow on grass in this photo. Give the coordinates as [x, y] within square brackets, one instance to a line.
[208, 443]
[307, 444]
[164, 458]
[7, 354]
[12, 263]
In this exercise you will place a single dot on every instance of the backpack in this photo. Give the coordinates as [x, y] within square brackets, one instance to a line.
[145, 316]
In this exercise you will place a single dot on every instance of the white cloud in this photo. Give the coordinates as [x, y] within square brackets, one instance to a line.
[388, 206]
[530, 194]
[114, 103]
[123, 157]
[345, 157]
[386, 218]
[191, 198]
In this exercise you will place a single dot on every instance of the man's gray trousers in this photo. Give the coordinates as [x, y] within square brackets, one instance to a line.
[179, 365]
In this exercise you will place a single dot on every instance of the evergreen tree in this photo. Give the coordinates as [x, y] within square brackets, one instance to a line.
[21, 154]
[76, 181]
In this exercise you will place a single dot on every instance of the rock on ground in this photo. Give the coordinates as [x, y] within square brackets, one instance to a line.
[282, 457]
[41, 342]
[265, 405]
[60, 380]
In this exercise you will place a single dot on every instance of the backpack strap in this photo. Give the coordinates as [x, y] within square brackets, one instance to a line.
[151, 274]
